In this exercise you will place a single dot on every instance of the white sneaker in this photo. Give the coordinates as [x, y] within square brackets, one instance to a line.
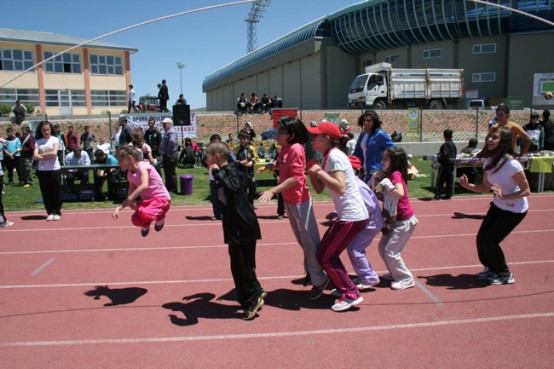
[57, 217]
[363, 285]
[50, 217]
[6, 224]
[402, 285]
[344, 303]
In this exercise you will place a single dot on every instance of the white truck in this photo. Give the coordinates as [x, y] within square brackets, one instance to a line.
[383, 86]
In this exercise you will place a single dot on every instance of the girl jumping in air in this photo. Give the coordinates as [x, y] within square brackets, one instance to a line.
[144, 181]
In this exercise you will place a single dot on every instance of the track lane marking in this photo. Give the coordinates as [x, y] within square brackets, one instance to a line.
[219, 280]
[268, 335]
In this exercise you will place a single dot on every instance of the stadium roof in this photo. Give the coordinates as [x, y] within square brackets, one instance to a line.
[375, 25]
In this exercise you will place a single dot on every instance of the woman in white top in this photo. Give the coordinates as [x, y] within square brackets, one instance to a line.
[503, 175]
[48, 170]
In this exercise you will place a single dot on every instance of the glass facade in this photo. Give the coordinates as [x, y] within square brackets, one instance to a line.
[16, 60]
[106, 64]
[65, 63]
[380, 25]
[100, 98]
[9, 95]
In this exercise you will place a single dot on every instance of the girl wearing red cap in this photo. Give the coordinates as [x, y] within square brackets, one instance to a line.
[338, 176]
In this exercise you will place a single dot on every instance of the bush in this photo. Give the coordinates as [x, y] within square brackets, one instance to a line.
[5, 109]
[30, 108]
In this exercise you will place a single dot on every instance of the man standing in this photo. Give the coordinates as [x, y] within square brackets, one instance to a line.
[126, 135]
[72, 140]
[153, 138]
[163, 95]
[548, 126]
[132, 100]
[169, 149]
[27, 150]
[86, 140]
[19, 111]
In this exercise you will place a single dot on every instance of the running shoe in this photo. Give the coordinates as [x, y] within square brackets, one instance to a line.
[344, 303]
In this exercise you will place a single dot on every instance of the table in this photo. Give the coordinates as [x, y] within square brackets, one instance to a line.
[86, 191]
[534, 164]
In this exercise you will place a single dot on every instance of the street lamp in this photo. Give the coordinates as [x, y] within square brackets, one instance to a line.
[181, 66]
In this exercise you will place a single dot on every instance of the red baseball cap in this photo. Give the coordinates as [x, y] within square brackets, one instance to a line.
[326, 128]
[355, 161]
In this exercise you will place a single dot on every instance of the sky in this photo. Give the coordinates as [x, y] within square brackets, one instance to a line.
[203, 41]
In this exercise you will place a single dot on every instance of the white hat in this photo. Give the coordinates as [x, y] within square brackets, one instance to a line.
[167, 120]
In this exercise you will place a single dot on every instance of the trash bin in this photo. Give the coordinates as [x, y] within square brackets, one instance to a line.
[186, 184]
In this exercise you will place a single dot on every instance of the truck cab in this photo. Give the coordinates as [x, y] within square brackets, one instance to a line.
[365, 89]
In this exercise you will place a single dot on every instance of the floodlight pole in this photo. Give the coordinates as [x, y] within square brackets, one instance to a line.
[181, 66]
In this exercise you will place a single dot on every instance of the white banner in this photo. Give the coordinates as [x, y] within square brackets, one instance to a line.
[141, 120]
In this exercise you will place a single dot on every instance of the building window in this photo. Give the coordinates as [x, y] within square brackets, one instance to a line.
[78, 98]
[433, 53]
[108, 98]
[483, 77]
[9, 95]
[391, 58]
[106, 64]
[12, 59]
[484, 48]
[64, 63]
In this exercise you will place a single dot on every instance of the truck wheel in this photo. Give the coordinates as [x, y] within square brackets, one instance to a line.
[435, 105]
[380, 104]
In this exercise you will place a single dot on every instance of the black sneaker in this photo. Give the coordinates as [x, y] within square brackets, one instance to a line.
[251, 312]
[144, 231]
[307, 280]
[159, 227]
[317, 291]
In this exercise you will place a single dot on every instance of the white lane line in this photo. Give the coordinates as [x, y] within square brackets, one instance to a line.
[42, 267]
[228, 280]
[428, 293]
[269, 335]
[223, 245]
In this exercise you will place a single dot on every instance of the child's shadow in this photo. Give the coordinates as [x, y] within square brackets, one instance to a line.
[197, 306]
[119, 296]
[460, 282]
[289, 299]
[202, 217]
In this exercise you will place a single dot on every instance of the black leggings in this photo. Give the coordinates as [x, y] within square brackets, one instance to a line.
[496, 226]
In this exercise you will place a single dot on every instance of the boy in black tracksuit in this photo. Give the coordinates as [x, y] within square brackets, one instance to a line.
[446, 159]
[240, 227]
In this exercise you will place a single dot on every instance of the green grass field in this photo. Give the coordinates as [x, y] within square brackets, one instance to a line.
[17, 198]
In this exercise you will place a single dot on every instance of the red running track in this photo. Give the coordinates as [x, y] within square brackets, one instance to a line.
[168, 301]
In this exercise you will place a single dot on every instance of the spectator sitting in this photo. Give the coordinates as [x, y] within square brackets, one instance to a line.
[187, 158]
[110, 174]
[471, 146]
[77, 157]
[470, 150]
[254, 104]
[104, 146]
[243, 105]
[265, 104]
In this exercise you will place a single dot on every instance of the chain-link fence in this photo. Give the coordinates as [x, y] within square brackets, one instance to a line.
[465, 123]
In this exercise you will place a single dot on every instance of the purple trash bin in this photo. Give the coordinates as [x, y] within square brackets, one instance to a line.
[186, 184]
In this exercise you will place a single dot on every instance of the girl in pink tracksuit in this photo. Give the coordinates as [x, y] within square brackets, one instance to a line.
[144, 181]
